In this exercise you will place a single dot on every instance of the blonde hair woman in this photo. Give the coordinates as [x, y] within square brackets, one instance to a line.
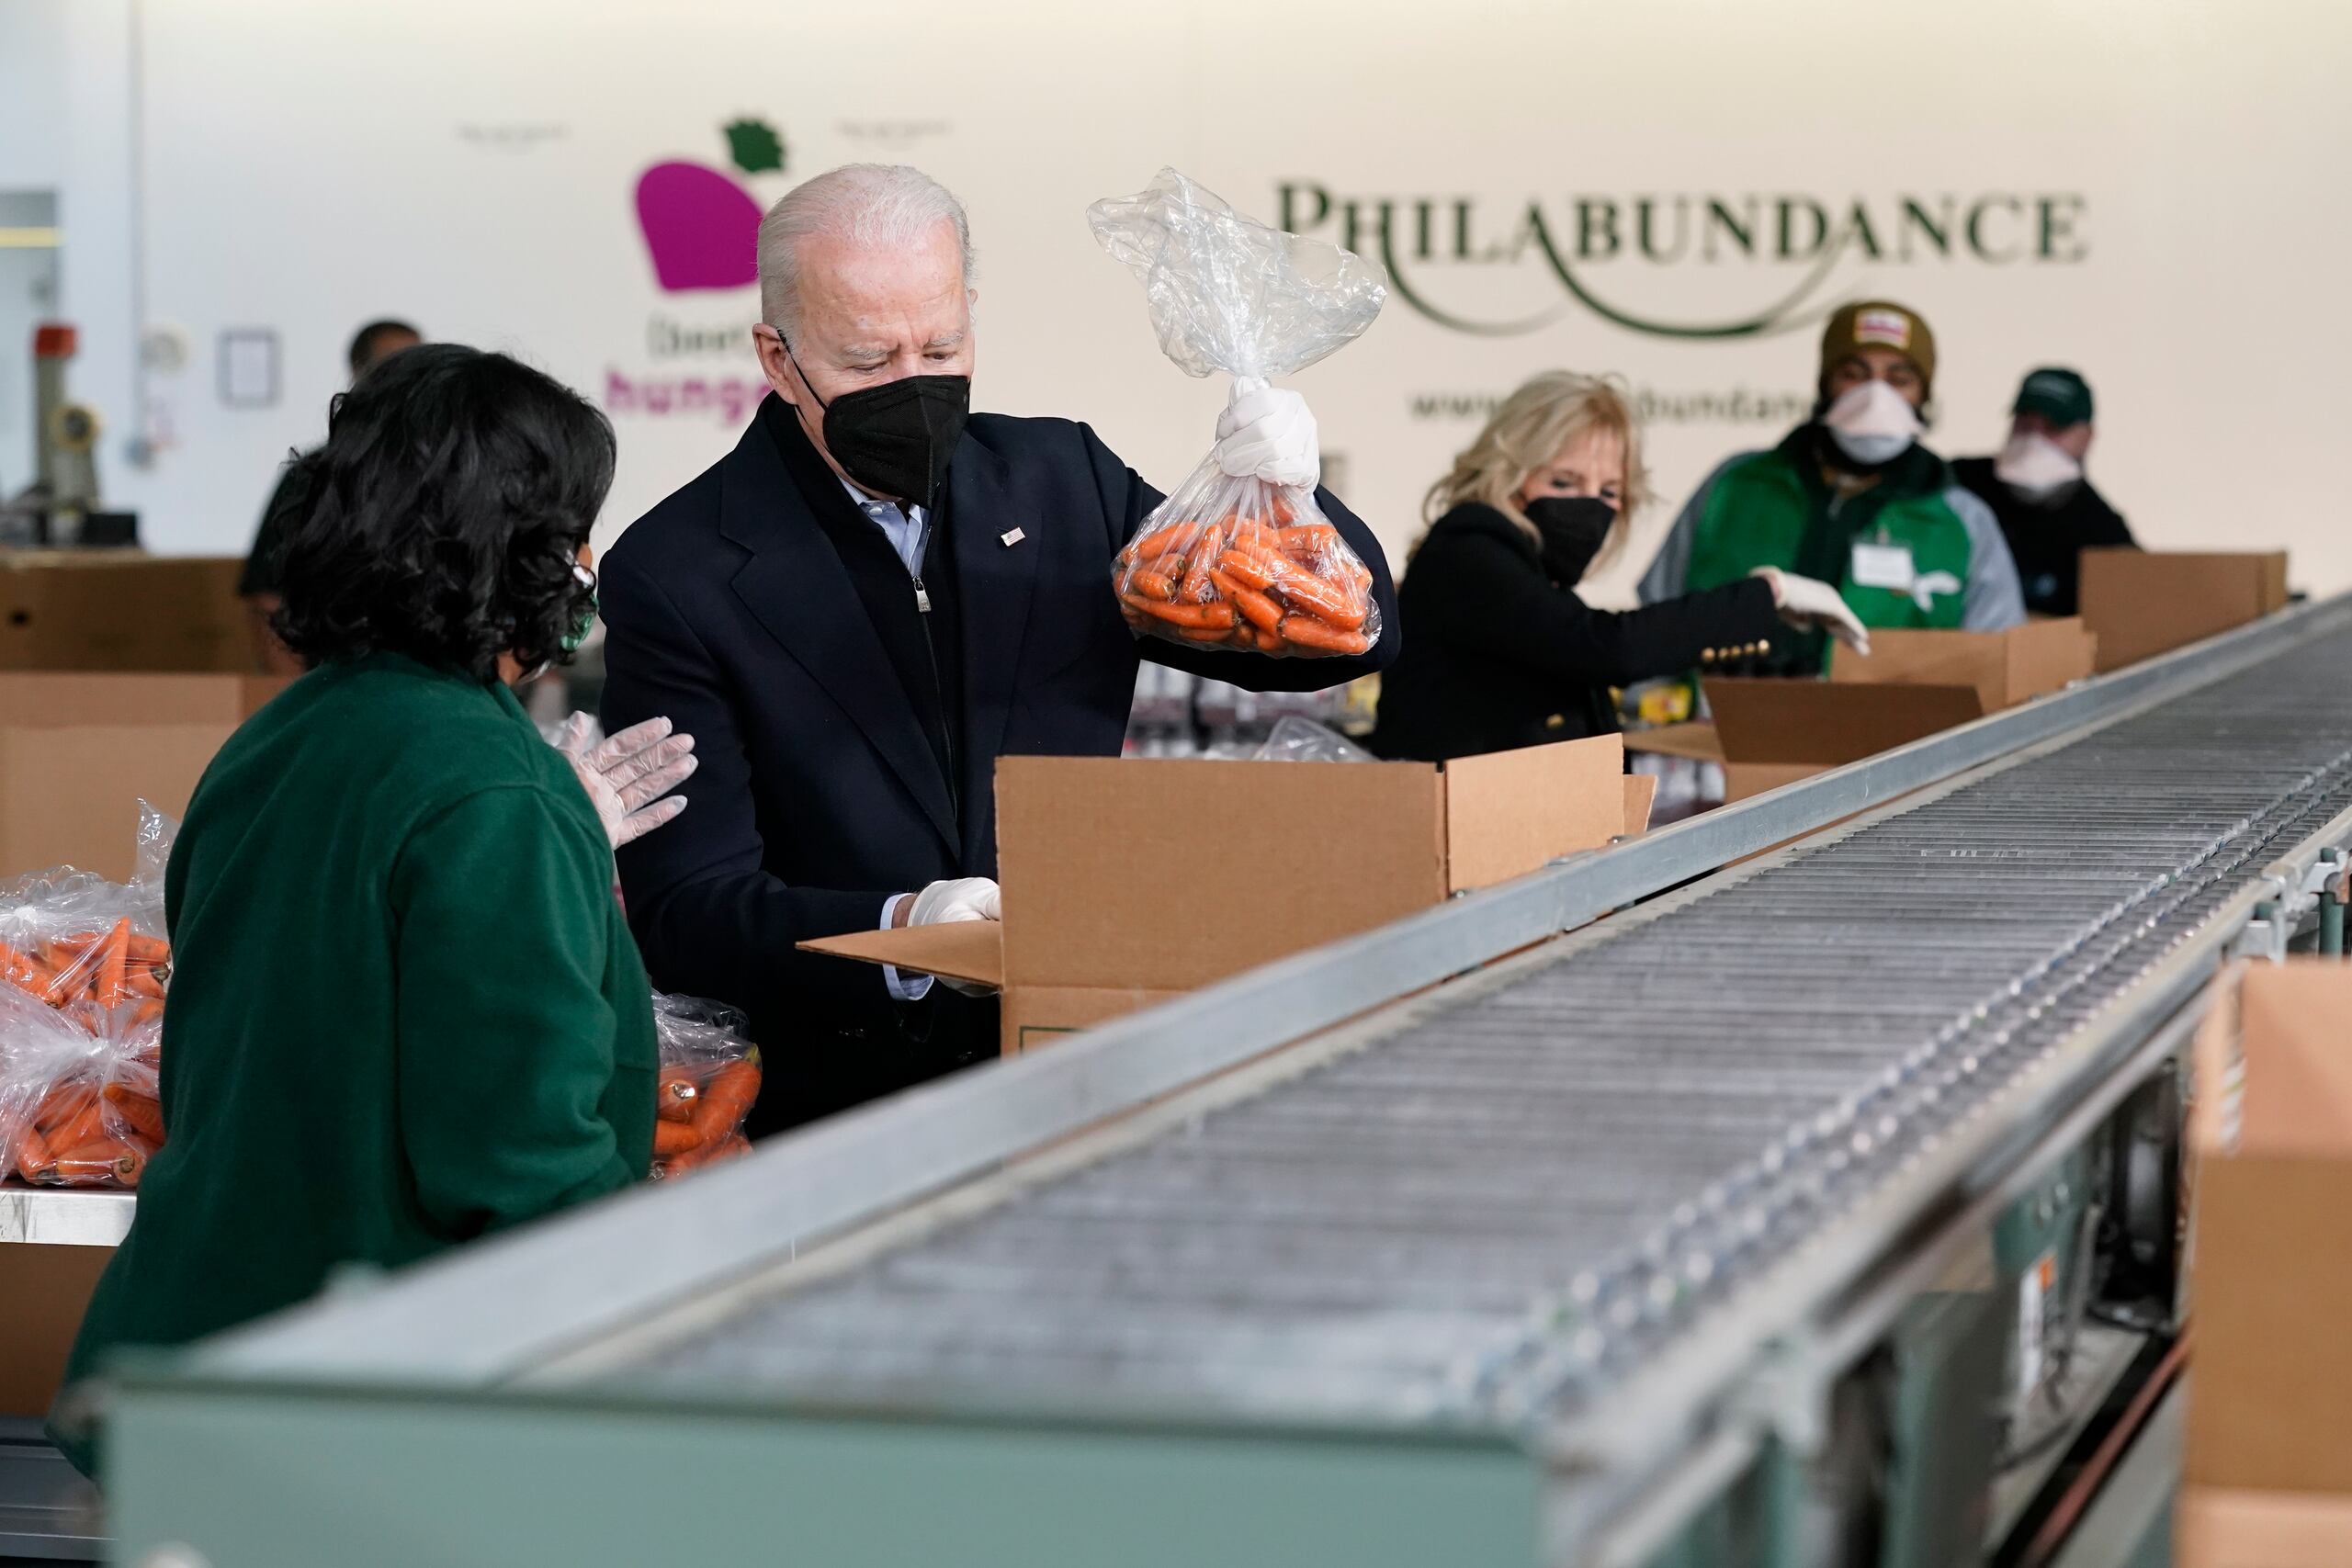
[1499, 653]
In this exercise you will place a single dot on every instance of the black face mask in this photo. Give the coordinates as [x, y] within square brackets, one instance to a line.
[897, 439]
[1573, 528]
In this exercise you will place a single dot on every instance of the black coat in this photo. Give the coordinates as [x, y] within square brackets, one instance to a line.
[1502, 657]
[820, 794]
[2047, 541]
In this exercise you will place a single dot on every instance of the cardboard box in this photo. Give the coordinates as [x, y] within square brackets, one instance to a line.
[2268, 1474]
[79, 751]
[121, 609]
[44, 1291]
[2005, 668]
[1767, 733]
[2142, 603]
[1116, 894]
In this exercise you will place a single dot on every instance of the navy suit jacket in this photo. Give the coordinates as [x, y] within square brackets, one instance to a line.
[727, 609]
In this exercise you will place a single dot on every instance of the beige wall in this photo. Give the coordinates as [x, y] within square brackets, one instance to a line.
[472, 166]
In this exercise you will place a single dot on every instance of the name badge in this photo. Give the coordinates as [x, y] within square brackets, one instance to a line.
[1883, 566]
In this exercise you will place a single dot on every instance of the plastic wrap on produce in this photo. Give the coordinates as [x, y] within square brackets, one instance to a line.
[83, 972]
[1297, 740]
[710, 1076]
[1233, 560]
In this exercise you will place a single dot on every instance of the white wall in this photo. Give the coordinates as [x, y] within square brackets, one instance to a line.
[470, 165]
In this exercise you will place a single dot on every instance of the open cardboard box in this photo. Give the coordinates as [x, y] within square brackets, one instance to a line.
[121, 609]
[2267, 1473]
[2005, 668]
[79, 751]
[1767, 733]
[2142, 603]
[1130, 881]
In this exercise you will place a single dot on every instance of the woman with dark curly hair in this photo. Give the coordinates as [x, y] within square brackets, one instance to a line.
[405, 1010]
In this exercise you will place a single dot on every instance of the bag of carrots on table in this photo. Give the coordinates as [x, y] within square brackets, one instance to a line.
[710, 1076]
[1234, 560]
[83, 969]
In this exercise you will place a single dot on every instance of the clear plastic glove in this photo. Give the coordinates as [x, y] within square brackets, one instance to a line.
[628, 776]
[1267, 433]
[946, 903]
[1808, 603]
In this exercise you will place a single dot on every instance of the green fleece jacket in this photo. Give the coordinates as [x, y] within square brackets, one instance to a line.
[405, 1011]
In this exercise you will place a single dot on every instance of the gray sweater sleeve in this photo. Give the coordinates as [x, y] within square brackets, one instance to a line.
[1995, 601]
[1670, 570]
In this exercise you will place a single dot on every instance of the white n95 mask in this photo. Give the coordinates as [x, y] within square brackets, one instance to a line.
[2036, 467]
[1872, 422]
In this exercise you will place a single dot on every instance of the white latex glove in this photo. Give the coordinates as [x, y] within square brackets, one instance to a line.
[1807, 602]
[964, 898]
[1267, 433]
[627, 775]
[946, 903]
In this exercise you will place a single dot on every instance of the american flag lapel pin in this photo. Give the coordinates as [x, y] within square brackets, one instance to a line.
[1012, 537]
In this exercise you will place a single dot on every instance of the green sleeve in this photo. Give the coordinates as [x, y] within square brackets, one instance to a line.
[503, 1036]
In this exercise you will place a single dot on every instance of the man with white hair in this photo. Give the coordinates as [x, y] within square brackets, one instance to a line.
[854, 613]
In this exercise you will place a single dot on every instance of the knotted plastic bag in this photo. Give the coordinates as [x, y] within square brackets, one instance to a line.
[84, 970]
[710, 1076]
[1234, 561]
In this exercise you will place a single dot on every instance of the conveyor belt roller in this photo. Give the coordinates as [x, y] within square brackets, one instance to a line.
[1503, 1207]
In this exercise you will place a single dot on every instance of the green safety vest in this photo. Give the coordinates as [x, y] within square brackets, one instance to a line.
[1776, 509]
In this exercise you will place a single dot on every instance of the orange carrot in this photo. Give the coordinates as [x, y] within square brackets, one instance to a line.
[146, 1013]
[142, 1111]
[140, 981]
[1308, 537]
[1272, 572]
[1270, 641]
[1305, 631]
[1250, 602]
[80, 1128]
[673, 1138]
[1152, 585]
[150, 950]
[1206, 635]
[1326, 601]
[679, 1163]
[97, 1161]
[31, 976]
[63, 1102]
[675, 1100]
[727, 1099]
[33, 1155]
[1208, 616]
[1254, 567]
[1280, 510]
[1195, 588]
[114, 958]
[1168, 537]
[70, 975]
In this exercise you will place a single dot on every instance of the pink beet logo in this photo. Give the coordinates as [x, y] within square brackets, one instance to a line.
[700, 225]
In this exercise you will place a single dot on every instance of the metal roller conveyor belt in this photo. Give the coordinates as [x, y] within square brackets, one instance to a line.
[1505, 1204]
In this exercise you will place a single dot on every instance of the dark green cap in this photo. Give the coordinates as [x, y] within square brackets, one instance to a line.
[2062, 397]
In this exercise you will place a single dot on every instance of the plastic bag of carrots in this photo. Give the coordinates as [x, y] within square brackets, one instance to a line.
[1230, 561]
[84, 971]
[710, 1076]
